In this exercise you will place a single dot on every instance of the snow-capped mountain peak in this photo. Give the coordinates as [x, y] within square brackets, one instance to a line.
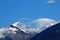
[21, 31]
[23, 27]
[20, 25]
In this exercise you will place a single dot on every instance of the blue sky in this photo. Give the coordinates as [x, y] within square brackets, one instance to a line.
[13, 10]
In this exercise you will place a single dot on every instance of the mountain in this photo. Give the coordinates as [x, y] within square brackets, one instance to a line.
[17, 31]
[20, 31]
[51, 33]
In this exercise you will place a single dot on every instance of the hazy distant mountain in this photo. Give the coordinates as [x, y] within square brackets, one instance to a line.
[51, 33]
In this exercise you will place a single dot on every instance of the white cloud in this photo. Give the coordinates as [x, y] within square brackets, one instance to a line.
[22, 19]
[51, 1]
[25, 20]
[43, 23]
[44, 20]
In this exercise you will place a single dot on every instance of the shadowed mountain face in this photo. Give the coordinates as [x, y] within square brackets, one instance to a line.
[51, 33]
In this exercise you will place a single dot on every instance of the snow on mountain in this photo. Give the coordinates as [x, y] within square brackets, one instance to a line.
[4, 32]
[24, 28]
[19, 28]
[51, 33]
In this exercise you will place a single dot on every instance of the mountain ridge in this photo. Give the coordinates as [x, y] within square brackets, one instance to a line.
[51, 33]
[19, 31]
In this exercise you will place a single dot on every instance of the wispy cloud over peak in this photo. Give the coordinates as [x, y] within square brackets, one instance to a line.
[43, 23]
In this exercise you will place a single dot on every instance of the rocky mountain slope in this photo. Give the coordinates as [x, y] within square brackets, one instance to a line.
[51, 33]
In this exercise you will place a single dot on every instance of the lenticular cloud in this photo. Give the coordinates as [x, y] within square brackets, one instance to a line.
[43, 23]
